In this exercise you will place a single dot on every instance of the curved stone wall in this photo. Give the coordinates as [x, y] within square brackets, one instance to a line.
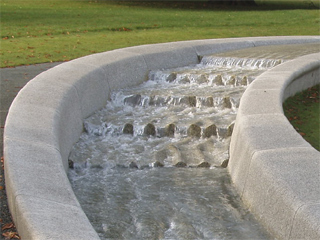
[276, 172]
[45, 120]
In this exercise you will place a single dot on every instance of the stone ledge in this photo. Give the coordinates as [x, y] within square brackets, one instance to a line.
[45, 120]
[274, 169]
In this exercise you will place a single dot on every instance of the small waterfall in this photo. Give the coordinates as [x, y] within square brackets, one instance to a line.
[151, 164]
[194, 102]
[153, 147]
[243, 63]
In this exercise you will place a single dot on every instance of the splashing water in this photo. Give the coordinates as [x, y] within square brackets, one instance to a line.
[151, 164]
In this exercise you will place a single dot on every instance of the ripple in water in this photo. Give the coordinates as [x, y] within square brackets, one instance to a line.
[164, 203]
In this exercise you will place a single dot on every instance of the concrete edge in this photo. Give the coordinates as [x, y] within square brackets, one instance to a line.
[53, 106]
[276, 172]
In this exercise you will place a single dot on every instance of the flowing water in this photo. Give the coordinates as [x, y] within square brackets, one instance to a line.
[151, 164]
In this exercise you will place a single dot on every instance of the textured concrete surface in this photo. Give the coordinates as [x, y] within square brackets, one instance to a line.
[45, 120]
[12, 80]
[274, 169]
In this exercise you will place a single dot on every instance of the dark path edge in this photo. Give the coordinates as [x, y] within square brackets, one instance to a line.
[11, 81]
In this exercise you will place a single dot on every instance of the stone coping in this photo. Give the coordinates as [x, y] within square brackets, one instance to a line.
[45, 120]
[276, 172]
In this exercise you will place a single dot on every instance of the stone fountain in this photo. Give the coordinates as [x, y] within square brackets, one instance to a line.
[46, 120]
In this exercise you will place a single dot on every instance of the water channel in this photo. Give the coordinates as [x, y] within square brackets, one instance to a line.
[152, 163]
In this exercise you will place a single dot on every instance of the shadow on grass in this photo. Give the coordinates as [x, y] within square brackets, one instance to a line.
[261, 5]
[303, 111]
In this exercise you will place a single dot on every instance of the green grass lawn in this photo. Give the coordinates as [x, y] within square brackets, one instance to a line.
[37, 31]
[303, 111]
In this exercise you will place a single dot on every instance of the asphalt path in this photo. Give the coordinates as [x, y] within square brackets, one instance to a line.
[12, 80]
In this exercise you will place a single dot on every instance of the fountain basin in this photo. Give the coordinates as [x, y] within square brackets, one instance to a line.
[46, 119]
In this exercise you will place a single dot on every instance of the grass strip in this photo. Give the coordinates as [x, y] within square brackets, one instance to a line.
[36, 31]
[303, 112]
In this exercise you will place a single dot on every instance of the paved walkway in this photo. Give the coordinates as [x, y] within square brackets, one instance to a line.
[11, 82]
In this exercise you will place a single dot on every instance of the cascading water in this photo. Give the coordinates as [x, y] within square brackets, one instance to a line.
[151, 164]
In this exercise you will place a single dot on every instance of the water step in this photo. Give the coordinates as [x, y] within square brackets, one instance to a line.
[218, 101]
[243, 63]
[199, 129]
[217, 70]
[208, 77]
[189, 96]
[188, 152]
[159, 122]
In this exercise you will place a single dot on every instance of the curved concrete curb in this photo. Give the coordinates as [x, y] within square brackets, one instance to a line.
[45, 120]
[276, 172]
